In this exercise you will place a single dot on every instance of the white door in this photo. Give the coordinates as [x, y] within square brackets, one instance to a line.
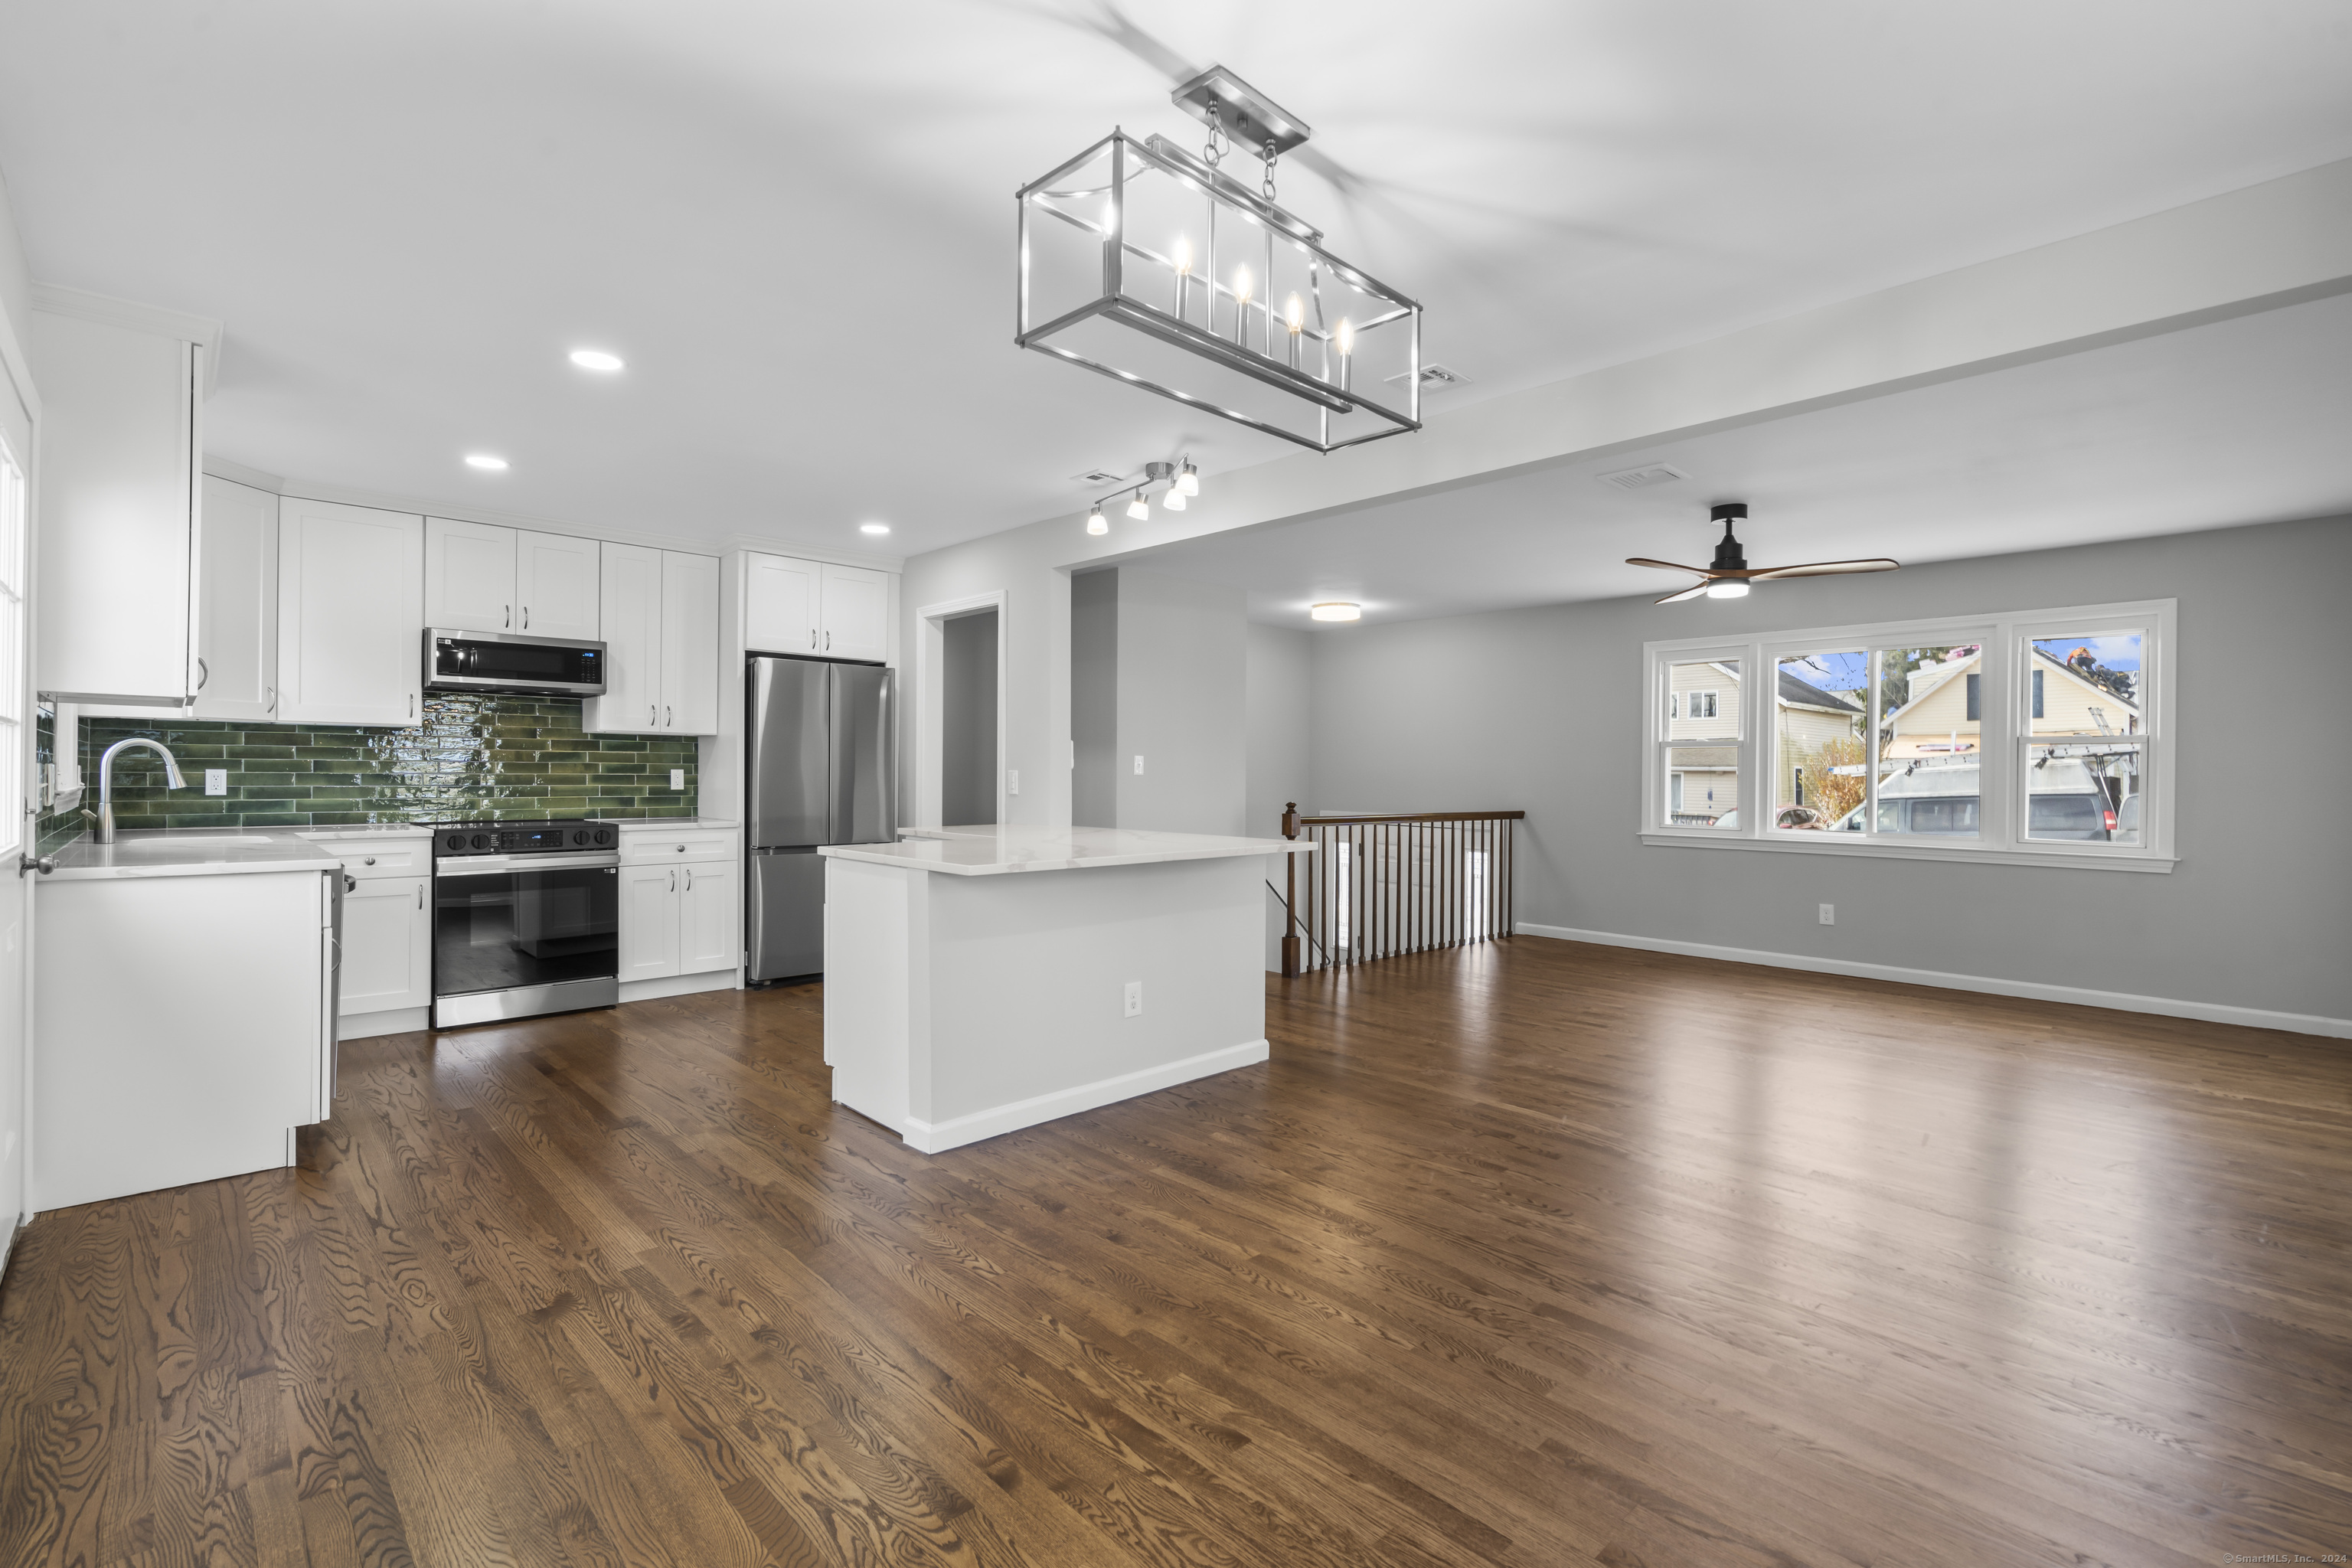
[237, 616]
[350, 613]
[856, 604]
[15, 816]
[631, 597]
[649, 899]
[709, 899]
[387, 945]
[470, 576]
[689, 624]
[555, 583]
[778, 605]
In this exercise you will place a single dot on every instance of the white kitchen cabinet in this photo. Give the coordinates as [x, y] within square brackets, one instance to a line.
[482, 578]
[556, 579]
[710, 902]
[661, 639]
[689, 659]
[387, 944]
[855, 608]
[237, 618]
[350, 614]
[649, 921]
[780, 600]
[808, 607]
[117, 517]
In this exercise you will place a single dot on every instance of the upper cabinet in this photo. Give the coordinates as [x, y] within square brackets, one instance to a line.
[482, 578]
[237, 616]
[660, 619]
[807, 607]
[350, 614]
[117, 520]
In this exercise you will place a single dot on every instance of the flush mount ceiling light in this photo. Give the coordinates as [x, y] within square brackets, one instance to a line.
[1144, 263]
[596, 359]
[877, 527]
[1336, 610]
[1729, 576]
[485, 461]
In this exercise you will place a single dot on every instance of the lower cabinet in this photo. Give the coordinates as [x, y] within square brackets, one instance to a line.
[679, 919]
[387, 945]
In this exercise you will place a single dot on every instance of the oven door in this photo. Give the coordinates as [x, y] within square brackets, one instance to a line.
[503, 661]
[544, 929]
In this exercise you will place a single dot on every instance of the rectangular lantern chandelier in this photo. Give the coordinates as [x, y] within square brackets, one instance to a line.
[1150, 265]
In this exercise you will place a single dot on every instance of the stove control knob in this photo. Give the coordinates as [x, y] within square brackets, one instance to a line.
[482, 841]
[457, 841]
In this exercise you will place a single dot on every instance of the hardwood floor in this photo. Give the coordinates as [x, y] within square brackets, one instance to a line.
[1533, 1254]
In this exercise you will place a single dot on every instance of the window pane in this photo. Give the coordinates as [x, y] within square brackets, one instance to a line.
[1930, 702]
[1703, 786]
[1820, 739]
[2086, 791]
[2086, 685]
[1703, 701]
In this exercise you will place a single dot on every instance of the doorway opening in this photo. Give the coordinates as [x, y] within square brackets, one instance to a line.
[968, 760]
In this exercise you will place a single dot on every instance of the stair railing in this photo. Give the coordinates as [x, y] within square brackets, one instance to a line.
[1379, 885]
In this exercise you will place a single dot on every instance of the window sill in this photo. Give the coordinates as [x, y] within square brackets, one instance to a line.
[1886, 849]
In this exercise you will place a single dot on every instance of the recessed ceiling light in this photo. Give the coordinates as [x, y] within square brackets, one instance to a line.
[873, 528]
[596, 359]
[1336, 611]
[484, 460]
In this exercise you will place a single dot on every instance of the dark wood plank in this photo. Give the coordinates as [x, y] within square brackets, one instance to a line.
[1528, 1254]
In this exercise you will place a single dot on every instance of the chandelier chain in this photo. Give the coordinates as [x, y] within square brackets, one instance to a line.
[1213, 154]
[1268, 186]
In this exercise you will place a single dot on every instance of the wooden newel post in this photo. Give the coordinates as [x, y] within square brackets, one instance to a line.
[1290, 898]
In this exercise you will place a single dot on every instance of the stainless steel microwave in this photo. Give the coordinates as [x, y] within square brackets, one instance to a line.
[505, 661]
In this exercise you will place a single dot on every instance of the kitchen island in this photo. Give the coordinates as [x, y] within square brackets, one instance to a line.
[980, 980]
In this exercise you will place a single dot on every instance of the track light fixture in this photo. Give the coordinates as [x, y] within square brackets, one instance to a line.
[1182, 484]
[1138, 510]
[1096, 522]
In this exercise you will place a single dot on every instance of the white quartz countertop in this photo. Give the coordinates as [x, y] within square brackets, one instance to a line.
[357, 830]
[191, 852]
[672, 823]
[993, 851]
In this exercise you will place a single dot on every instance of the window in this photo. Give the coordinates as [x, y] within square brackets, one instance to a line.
[2036, 737]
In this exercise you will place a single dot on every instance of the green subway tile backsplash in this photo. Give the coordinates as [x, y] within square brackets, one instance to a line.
[474, 757]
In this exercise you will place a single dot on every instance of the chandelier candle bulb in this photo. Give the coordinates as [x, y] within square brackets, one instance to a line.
[1183, 258]
[1293, 316]
[1241, 305]
[1347, 336]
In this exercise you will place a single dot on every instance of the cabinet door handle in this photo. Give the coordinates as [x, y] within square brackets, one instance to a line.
[673, 880]
[368, 860]
[411, 705]
[653, 716]
[811, 637]
[507, 611]
[525, 617]
[420, 895]
[828, 642]
[671, 715]
[204, 672]
[689, 878]
[273, 699]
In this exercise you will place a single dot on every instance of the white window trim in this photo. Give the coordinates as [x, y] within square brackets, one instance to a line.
[2001, 741]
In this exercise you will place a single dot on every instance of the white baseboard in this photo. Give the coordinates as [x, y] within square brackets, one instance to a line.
[933, 1138]
[678, 986]
[390, 1021]
[2074, 995]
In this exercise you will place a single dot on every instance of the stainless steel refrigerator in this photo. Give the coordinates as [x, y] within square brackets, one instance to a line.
[822, 748]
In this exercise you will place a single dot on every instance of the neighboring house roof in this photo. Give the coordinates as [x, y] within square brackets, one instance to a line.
[1950, 672]
[1796, 693]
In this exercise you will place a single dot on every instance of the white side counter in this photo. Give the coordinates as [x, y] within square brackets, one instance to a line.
[976, 979]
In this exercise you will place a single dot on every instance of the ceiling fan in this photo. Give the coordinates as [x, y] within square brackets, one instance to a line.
[1728, 577]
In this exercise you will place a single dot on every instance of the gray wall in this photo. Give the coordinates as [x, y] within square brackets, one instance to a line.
[968, 719]
[1279, 680]
[1540, 710]
[1181, 704]
[1093, 698]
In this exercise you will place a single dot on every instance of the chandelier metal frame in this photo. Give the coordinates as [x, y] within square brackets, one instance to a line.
[1230, 108]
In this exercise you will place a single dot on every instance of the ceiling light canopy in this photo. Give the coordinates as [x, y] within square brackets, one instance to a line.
[485, 461]
[1148, 265]
[1336, 610]
[596, 359]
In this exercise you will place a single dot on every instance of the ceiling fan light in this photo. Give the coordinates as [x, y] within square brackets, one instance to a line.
[1733, 589]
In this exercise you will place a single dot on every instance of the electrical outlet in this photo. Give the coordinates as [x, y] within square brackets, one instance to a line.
[1012, 781]
[1138, 765]
[216, 781]
[1134, 998]
[677, 778]
[1828, 914]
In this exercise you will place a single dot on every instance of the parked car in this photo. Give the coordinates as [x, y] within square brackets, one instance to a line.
[2064, 800]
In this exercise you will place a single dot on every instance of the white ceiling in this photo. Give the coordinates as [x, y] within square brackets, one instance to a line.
[2237, 422]
[794, 220]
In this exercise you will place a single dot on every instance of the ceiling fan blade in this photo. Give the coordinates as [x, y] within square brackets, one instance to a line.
[1664, 565]
[1823, 569]
[1692, 592]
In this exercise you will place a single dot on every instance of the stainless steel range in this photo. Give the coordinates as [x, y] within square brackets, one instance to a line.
[526, 919]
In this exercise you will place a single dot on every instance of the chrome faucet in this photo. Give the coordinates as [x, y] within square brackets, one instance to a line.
[104, 833]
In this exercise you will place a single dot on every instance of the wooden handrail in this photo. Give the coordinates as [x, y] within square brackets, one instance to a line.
[1385, 883]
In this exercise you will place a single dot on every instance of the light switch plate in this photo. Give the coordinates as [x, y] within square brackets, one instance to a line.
[1138, 763]
[677, 778]
[1012, 781]
[1134, 998]
[216, 781]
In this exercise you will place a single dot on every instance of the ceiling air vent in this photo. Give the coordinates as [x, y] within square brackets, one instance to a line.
[1642, 477]
[1096, 478]
[1434, 378]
